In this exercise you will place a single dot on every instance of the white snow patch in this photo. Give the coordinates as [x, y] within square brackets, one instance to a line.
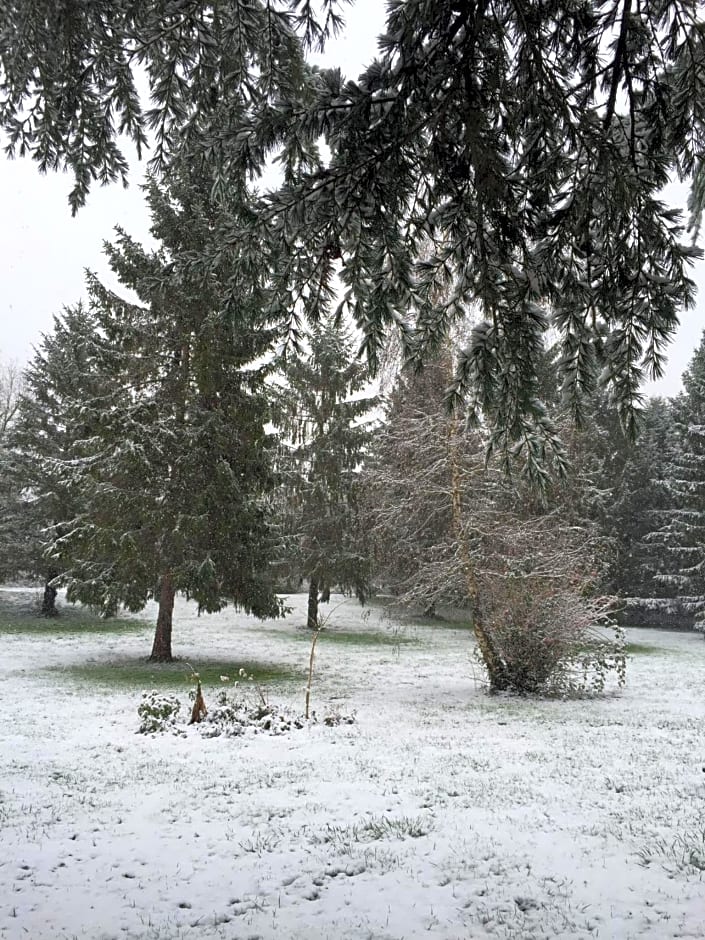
[441, 813]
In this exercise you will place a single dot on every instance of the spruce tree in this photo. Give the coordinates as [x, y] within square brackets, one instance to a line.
[168, 464]
[641, 568]
[13, 534]
[323, 414]
[527, 143]
[60, 373]
[681, 534]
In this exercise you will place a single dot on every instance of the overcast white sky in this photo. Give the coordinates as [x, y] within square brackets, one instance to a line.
[44, 251]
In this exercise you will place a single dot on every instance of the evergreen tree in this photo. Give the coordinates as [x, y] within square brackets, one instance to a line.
[681, 535]
[60, 373]
[636, 513]
[12, 540]
[596, 455]
[323, 415]
[168, 464]
[527, 143]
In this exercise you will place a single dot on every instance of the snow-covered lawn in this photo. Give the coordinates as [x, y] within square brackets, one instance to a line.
[440, 813]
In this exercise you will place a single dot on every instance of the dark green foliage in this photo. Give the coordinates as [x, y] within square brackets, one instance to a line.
[640, 500]
[507, 155]
[61, 371]
[12, 538]
[323, 414]
[658, 512]
[69, 70]
[596, 453]
[680, 534]
[164, 454]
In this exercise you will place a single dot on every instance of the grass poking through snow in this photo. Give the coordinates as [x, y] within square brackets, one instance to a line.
[390, 638]
[641, 649]
[19, 618]
[440, 813]
[139, 674]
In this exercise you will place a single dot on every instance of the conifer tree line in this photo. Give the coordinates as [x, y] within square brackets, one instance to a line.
[151, 450]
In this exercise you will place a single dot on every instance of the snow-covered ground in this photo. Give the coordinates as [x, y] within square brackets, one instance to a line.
[440, 813]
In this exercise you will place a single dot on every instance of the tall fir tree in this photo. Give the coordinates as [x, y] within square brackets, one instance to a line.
[61, 372]
[641, 501]
[324, 416]
[13, 537]
[169, 463]
[681, 534]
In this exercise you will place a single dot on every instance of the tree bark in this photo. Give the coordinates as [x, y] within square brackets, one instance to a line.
[161, 648]
[496, 668]
[49, 601]
[312, 619]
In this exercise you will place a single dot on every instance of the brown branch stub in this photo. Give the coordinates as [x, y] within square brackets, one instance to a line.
[199, 710]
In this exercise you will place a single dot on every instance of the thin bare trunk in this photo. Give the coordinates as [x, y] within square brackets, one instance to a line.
[161, 648]
[310, 673]
[312, 619]
[493, 661]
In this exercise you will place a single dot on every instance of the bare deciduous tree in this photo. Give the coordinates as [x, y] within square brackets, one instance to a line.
[11, 386]
[450, 530]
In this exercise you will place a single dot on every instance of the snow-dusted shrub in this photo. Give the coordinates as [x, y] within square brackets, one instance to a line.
[239, 709]
[552, 638]
[233, 716]
[157, 712]
[334, 718]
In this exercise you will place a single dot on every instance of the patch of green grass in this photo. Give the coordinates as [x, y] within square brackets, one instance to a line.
[23, 618]
[132, 673]
[447, 619]
[349, 637]
[640, 649]
[362, 638]
[372, 829]
[438, 623]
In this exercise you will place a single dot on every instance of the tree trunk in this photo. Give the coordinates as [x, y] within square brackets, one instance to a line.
[496, 668]
[49, 601]
[312, 619]
[161, 648]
